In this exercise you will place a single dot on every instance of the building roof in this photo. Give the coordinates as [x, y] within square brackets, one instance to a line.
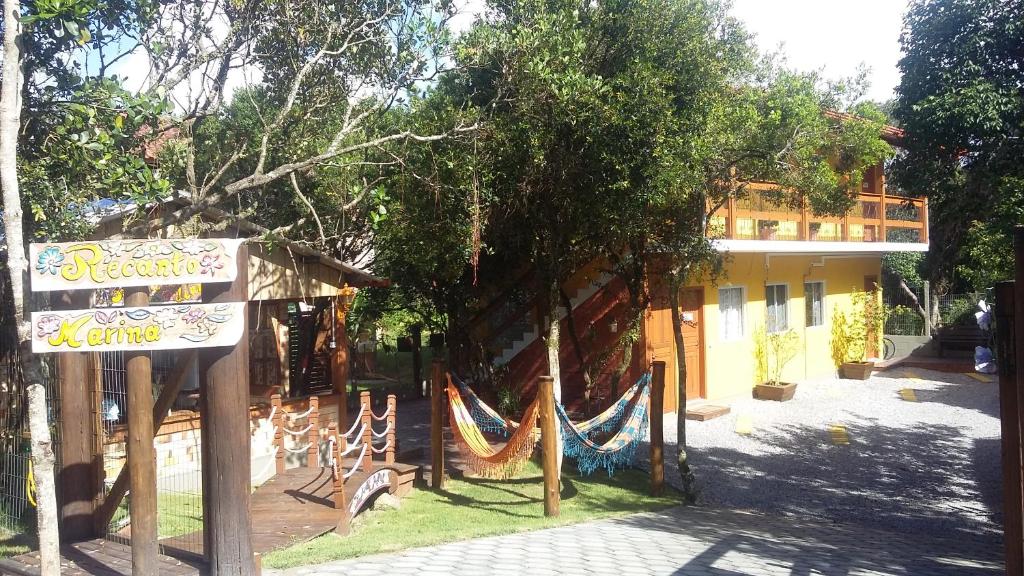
[106, 211]
[890, 134]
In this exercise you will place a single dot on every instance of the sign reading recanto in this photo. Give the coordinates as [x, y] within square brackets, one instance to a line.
[149, 328]
[125, 263]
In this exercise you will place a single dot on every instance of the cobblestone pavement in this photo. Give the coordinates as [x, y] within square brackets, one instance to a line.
[910, 487]
[684, 541]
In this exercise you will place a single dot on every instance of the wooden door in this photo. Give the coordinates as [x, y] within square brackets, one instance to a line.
[661, 342]
[692, 304]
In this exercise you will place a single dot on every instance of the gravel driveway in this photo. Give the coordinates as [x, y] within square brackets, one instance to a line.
[929, 466]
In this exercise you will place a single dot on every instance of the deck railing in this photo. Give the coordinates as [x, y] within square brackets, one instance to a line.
[758, 216]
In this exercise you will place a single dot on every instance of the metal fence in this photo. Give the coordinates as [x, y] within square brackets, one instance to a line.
[903, 318]
[179, 472]
[16, 511]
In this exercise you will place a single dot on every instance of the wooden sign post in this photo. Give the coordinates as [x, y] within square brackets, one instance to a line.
[141, 453]
[218, 326]
[549, 445]
[226, 445]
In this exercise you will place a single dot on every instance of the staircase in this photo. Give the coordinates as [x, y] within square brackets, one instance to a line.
[509, 325]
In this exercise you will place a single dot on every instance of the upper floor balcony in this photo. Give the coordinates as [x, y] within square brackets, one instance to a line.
[876, 223]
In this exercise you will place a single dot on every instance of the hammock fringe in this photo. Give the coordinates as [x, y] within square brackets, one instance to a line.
[481, 458]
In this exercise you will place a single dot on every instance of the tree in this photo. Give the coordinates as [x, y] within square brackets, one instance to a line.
[961, 102]
[17, 265]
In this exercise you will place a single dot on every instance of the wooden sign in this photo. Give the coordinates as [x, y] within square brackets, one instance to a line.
[149, 328]
[373, 484]
[123, 263]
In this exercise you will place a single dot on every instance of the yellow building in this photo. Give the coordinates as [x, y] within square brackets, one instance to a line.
[786, 270]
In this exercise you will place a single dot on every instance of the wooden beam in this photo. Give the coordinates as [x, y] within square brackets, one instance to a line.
[1009, 400]
[141, 452]
[160, 408]
[77, 452]
[549, 445]
[437, 375]
[339, 364]
[657, 428]
[226, 442]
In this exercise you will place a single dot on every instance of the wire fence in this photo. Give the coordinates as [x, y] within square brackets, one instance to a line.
[179, 472]
[903, 315]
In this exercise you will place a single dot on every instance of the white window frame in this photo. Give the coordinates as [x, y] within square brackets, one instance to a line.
[743, 314]
[789, 314]
[824, 304]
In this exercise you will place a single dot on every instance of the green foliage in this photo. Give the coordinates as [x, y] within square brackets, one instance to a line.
[853, 327]
[903, 321]
[772, 352]
[962, 107]
[958, 311]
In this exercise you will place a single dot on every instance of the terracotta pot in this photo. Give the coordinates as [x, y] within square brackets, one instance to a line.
[856, 370]
[778, 393]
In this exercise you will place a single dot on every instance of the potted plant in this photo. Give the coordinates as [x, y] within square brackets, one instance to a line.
[851, 331]
[773, 351]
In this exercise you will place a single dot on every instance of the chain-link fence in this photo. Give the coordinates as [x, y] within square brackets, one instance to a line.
[904, 313]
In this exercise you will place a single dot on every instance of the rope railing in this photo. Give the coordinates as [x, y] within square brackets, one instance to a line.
[384, 433]
[382, 416]
[298, 432]
[280, 420]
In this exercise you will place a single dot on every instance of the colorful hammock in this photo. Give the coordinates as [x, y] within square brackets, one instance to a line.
[488, 419]
[478, 453]
[618, 451]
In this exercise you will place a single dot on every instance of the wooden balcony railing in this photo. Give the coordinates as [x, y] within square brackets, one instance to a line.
[757, 217]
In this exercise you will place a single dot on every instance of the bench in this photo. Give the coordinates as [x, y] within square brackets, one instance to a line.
[959, 337]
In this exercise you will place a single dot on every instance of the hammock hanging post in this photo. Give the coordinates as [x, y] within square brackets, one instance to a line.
[437, 396]
[657, 416]
[549, 444]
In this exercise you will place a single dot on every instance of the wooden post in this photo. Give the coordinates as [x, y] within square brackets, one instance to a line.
[77, 452]
[845, 232]
[364, 401]
[549, 444]
[389, 454]
[730, 222]
[1015, 541]
[141, 452]
[805, 221]
[416, 334]
[924, 221]
[313, 420]
[437, 391]
[278, 423]
[339, 479]
[1009, 401]
[882, 215]
[226, 448]
[339, 364]
[657, 428]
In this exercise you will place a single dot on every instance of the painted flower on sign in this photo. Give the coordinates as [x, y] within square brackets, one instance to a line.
[166, 318]
[209, 264]
[47, 325]
[50, 260]
[152, 250]
[193, 247]
[112, 248]
[194, 315]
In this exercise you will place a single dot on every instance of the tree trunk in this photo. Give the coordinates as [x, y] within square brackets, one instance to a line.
[553, 347]
[17, 266]
[685, 474]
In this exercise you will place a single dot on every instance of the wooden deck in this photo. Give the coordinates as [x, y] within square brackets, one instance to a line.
[96, 558]
[292, 507]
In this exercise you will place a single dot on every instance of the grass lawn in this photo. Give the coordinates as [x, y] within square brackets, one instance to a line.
[15, 543]
[474, 507]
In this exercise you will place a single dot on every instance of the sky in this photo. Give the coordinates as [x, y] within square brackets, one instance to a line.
[833, 35]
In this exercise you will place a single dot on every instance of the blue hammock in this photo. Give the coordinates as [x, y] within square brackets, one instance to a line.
[488, 419]
[617, 452]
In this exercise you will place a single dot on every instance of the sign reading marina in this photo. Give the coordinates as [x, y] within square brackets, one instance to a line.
[149, 328]
[124, 263]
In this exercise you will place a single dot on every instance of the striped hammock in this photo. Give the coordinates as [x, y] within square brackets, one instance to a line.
[618, 451]
[488, 419]
[479, 455]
